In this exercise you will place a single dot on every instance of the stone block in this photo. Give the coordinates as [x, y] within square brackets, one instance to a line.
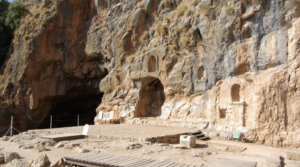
[11, 156]
[292, 156]
[188, 141]
[1, 158]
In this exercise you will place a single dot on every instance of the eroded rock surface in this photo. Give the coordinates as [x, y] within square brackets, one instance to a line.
[221, 65]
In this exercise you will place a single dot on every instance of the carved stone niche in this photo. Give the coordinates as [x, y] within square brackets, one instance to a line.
[200, 84]
[231, 107]
[151, 65]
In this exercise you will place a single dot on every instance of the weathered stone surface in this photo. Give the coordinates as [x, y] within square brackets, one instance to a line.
[292, 156]
[58, 163]
[40, 147]
[28, 147]
[1, 158]
[58, 145]
[133, 146]
[11, 156]
[41, 161]
[178, 146]
[231, 163]
[17, 162]
[4, 138]
[81, 150]
[225, 66]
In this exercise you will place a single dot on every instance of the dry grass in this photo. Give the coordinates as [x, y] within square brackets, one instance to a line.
[129, 59]
[141, 51]
[2, 81]
[174, 47]
[181, 9]
[229, 10]
[116, 76]
[167, 1]
[144, 35]
[193, 2]
[183, 42]
[166, 17]
[154, 45]
[188, 13]
[160, 28]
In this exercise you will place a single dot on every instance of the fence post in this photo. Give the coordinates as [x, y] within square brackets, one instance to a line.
[50, 121]
[78, 120]
[11, 125]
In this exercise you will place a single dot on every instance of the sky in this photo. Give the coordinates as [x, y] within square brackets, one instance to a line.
[10, 0]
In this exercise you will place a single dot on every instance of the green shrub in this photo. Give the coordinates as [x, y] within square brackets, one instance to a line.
[16, 10]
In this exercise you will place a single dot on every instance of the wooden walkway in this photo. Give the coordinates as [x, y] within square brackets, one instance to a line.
[98, 159]
[67, 136]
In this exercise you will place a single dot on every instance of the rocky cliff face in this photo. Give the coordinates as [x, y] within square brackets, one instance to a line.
[222, 65]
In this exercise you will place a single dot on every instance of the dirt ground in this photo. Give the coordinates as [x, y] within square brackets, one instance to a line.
[205, 153]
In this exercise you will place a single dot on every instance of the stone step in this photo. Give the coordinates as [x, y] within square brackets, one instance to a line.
[199, 136]
[194, 133]
[203, 138]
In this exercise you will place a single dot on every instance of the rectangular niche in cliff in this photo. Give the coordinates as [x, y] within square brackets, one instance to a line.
[201, 73]
[235, 93]
[223, 113]
[152, 64]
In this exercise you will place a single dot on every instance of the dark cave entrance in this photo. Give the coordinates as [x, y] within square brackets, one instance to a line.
[152, 98]
[65, 110]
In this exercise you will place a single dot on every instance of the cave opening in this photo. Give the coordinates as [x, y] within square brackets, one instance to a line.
[66, 111]
[152, 98]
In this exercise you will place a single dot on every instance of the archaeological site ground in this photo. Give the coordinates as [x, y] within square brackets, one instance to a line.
[142, 73]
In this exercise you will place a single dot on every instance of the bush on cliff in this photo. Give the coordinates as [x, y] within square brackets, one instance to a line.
[15, 11]
[5, 39]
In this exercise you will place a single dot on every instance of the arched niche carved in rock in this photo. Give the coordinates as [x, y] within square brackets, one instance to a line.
[152, 64]
[235, 93]
[201, 73]
[152, 98]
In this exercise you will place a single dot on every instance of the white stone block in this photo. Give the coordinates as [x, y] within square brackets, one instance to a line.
[188, 141]
[100, 115]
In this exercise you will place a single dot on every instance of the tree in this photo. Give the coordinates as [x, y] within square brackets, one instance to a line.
[5, 39]
[15, 11]
[3, 6]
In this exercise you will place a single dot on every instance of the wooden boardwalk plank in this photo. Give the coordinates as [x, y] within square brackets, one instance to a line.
[140, 163]
[167, 165]
[79, 155]
[131, 160]
[88, 159]
[98, 159]
[153, 163]
[101, 158]
[124, 161]
[106, 161]
[156, 163]
[171, 164]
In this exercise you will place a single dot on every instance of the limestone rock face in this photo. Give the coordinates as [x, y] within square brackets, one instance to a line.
[17, 162]
[11, 156]
[221, 65]
[58, 163]
[41, 161]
